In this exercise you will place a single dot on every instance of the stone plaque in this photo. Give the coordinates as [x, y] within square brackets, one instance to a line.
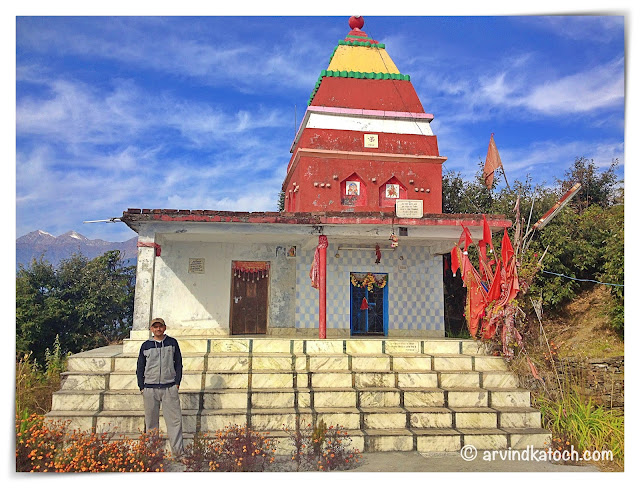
[196, 265]
[401, 346]
[371, 140]
[409, 209]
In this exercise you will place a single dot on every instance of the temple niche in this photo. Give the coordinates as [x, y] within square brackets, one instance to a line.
[353, 191]
[390, 191]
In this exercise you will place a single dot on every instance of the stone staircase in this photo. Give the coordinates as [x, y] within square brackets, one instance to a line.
[389, 394]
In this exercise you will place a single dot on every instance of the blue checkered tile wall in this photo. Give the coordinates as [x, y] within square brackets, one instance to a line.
[416, 297]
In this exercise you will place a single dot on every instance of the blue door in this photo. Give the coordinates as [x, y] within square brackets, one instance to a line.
[369, 309]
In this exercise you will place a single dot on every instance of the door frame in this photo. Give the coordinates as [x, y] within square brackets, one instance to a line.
[385, 305]
[231, 295]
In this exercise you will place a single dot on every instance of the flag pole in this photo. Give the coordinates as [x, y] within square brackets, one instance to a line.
[505, 177]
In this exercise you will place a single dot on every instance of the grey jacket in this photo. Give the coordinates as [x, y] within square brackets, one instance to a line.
[159, 364]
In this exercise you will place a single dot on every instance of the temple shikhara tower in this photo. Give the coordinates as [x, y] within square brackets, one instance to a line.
[365, 141]
[330, 309]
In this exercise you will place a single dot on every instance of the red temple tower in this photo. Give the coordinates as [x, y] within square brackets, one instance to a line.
[365, 140]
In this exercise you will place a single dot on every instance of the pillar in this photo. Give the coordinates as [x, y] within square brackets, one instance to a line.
[143, 301]
[323, 243]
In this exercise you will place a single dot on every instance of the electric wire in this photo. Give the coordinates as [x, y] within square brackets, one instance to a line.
[580, 279]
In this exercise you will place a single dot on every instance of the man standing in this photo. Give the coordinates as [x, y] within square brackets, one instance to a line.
[159, 373]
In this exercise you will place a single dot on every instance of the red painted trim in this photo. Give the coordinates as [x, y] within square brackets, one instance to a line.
[468, 220]
[151, 244]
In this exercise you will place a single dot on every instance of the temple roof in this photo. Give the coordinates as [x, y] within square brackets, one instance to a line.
[361, 74]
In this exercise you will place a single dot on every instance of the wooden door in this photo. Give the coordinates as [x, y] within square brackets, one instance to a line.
[249, 303]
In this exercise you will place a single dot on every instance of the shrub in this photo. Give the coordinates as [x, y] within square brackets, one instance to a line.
[235, 448]
[99, 452]
[43, 446]
[201, 454]
[35, 385]
[37, 443]
[575, 420]
[322, 448]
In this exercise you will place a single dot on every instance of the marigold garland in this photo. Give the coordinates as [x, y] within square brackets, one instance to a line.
[369, 281]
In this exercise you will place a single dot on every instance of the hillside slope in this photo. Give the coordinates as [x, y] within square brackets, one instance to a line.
[582, 327]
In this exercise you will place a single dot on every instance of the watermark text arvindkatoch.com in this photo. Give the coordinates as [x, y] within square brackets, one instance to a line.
[470, 453]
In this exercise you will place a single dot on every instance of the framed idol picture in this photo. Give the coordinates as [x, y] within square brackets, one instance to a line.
[392, 191]
[352, 188]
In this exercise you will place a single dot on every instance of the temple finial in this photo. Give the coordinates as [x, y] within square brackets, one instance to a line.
[356, 22]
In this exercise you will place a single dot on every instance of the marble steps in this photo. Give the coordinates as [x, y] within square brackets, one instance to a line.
[438, 395]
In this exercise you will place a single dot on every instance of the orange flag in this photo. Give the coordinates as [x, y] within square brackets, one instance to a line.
[491, 163]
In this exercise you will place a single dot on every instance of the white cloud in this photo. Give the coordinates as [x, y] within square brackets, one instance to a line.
[599, 87]
[596, 28]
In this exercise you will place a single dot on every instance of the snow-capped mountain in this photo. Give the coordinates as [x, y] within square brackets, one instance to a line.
[54, 249]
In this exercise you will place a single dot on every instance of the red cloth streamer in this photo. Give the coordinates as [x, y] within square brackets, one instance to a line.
[466, 237]
[507, 249]
[486, 232]
[378, 254]
[364, 305]
[314, 272]
[455, 262]
[151, 244]
[533, 369]
[476, 299]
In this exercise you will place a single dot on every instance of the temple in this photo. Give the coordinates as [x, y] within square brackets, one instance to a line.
[363, 188]
[331, 309]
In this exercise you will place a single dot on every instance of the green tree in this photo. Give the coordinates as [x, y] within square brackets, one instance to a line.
[86, 303]
[585, 240]
[462, 196]
[598, 188]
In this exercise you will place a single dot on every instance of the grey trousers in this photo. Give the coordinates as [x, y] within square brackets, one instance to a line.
[171, 412]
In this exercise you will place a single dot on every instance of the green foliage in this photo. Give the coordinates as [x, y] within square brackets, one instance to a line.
[35, 385]
[54, 360]
[585, 240]
[587, 246]
[575, 420]
[460, 196]
[84, 303]
[598, 188]
[281, 201]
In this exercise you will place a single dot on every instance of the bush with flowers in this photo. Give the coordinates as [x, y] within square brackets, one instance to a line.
[321, 448]
[234, 448]
[49, 446]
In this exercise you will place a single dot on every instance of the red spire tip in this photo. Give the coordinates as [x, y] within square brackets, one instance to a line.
[356, 22]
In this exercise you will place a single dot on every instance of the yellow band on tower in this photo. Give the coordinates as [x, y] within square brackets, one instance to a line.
[363, 59]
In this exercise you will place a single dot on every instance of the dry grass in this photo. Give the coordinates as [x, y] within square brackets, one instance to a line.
[583, 329]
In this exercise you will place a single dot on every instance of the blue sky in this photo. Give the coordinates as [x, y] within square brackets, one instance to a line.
[199, 112]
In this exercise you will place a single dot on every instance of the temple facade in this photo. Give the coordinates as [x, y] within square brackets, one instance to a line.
[357, 249]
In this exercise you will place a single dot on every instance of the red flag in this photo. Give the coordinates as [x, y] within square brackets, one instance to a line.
[486, 232]
[496, 285]
[476, 300]
[507, 249]
[466, 237]
[491, 163]
[364, 305]
[455, 263]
